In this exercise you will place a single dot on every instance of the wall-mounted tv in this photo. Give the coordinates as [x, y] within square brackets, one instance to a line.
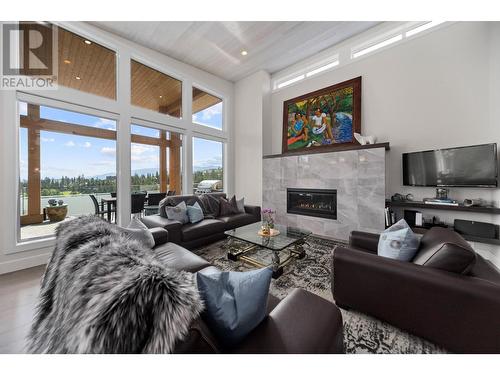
[471, 166]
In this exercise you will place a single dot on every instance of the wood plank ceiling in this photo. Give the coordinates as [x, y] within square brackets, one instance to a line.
[87, 66]
[216, 46]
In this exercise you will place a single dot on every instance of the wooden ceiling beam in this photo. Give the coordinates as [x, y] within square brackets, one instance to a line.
[67, 128]
[145, 140]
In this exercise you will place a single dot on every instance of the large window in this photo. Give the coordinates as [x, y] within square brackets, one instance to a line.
[85, 65]
[208, 164]
[207, 109]
[155, 158]
[67, 140]
[67, 160]
[82, 64]
[156, 91]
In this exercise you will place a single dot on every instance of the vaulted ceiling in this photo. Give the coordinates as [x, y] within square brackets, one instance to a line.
[216, 46]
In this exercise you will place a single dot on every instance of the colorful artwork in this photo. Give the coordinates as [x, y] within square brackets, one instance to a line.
[324, 118]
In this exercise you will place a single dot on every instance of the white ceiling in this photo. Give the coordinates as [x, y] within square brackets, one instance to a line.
[216, 46]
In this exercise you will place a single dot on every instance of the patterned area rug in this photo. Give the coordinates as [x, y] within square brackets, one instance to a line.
[362, 333]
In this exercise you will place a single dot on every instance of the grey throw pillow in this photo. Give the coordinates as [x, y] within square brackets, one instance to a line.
[240, 203]
[236, 302]
[178, 212]
[195, 213]
[398, 242]
[137, 231]
[228, 208]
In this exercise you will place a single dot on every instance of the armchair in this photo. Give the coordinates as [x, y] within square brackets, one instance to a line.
[460, 312]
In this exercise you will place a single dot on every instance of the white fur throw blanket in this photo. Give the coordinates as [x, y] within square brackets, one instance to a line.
[103, 293]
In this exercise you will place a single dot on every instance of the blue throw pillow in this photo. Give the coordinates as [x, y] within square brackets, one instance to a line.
[398, 242]
[195, 213]
[235, 302]
[178, 212]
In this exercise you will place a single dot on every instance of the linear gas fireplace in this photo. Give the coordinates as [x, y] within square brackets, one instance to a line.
[312, 202]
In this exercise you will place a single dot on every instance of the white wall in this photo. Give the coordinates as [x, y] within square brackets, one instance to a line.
[13, 255]
[252, 104]
[439, 90]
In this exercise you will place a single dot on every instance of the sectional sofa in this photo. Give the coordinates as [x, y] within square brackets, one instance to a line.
[300, 323]
[206, 231]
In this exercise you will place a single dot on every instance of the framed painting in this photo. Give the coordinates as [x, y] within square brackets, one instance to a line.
[323, 119]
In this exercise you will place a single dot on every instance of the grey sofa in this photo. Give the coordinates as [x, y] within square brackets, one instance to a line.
[204, 232]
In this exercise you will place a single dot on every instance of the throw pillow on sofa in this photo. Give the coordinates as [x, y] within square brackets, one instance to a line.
[136, 230]
[240, 204]
[228, 208]
[195, 213]
[398, 242]
[235, 302]
[210, 206]
[178, 212]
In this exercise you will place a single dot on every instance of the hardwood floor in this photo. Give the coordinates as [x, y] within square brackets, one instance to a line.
[18, 295]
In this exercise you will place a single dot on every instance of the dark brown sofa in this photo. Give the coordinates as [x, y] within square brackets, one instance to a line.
[204, 232]
[457, 310]
[300, 323]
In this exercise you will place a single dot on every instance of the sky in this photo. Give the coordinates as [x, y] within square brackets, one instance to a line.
[71, 155]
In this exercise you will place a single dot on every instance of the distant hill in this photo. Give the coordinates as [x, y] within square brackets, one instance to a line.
[145, 171]
[139, 172]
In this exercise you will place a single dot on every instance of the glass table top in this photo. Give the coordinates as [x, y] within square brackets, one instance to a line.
[288, 236]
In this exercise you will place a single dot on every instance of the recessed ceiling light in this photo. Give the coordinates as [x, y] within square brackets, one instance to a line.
[244, 53]
[161, 96]
[78, 78]
[88, 42]
[67, 61]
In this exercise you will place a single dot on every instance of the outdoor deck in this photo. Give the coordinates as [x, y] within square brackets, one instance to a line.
[44, 229]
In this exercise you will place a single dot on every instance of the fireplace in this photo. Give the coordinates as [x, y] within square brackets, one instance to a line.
[312, 202]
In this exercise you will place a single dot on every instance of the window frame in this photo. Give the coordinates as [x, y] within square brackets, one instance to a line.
[22, 245]
[163, 70]
[224, 159]
[124, 114]
[101, 42]
[213, 93]
[169, 129]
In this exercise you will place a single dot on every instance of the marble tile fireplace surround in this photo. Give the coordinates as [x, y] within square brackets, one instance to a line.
[356, 176]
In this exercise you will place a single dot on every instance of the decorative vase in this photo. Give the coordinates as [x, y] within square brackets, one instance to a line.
[56, 213]
[268, 218]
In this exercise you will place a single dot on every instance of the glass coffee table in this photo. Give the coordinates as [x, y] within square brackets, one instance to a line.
[284, 247]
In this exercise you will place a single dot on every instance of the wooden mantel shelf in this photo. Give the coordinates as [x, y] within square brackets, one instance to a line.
[339, 148]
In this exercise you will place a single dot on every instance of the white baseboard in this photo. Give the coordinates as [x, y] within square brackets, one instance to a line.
[23, 263]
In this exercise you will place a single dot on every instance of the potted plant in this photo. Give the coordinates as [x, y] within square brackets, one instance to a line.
[56, 210]
[267, 220]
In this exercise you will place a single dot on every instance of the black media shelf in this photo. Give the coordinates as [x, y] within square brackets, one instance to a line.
[419, 204]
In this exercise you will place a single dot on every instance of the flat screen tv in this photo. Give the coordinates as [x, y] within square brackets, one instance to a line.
[471, 166]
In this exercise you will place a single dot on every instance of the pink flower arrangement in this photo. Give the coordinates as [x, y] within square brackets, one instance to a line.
[268, 217]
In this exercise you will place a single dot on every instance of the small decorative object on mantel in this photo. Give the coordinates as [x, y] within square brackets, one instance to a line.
[324, 118]
[401, 198]
[366, 139]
